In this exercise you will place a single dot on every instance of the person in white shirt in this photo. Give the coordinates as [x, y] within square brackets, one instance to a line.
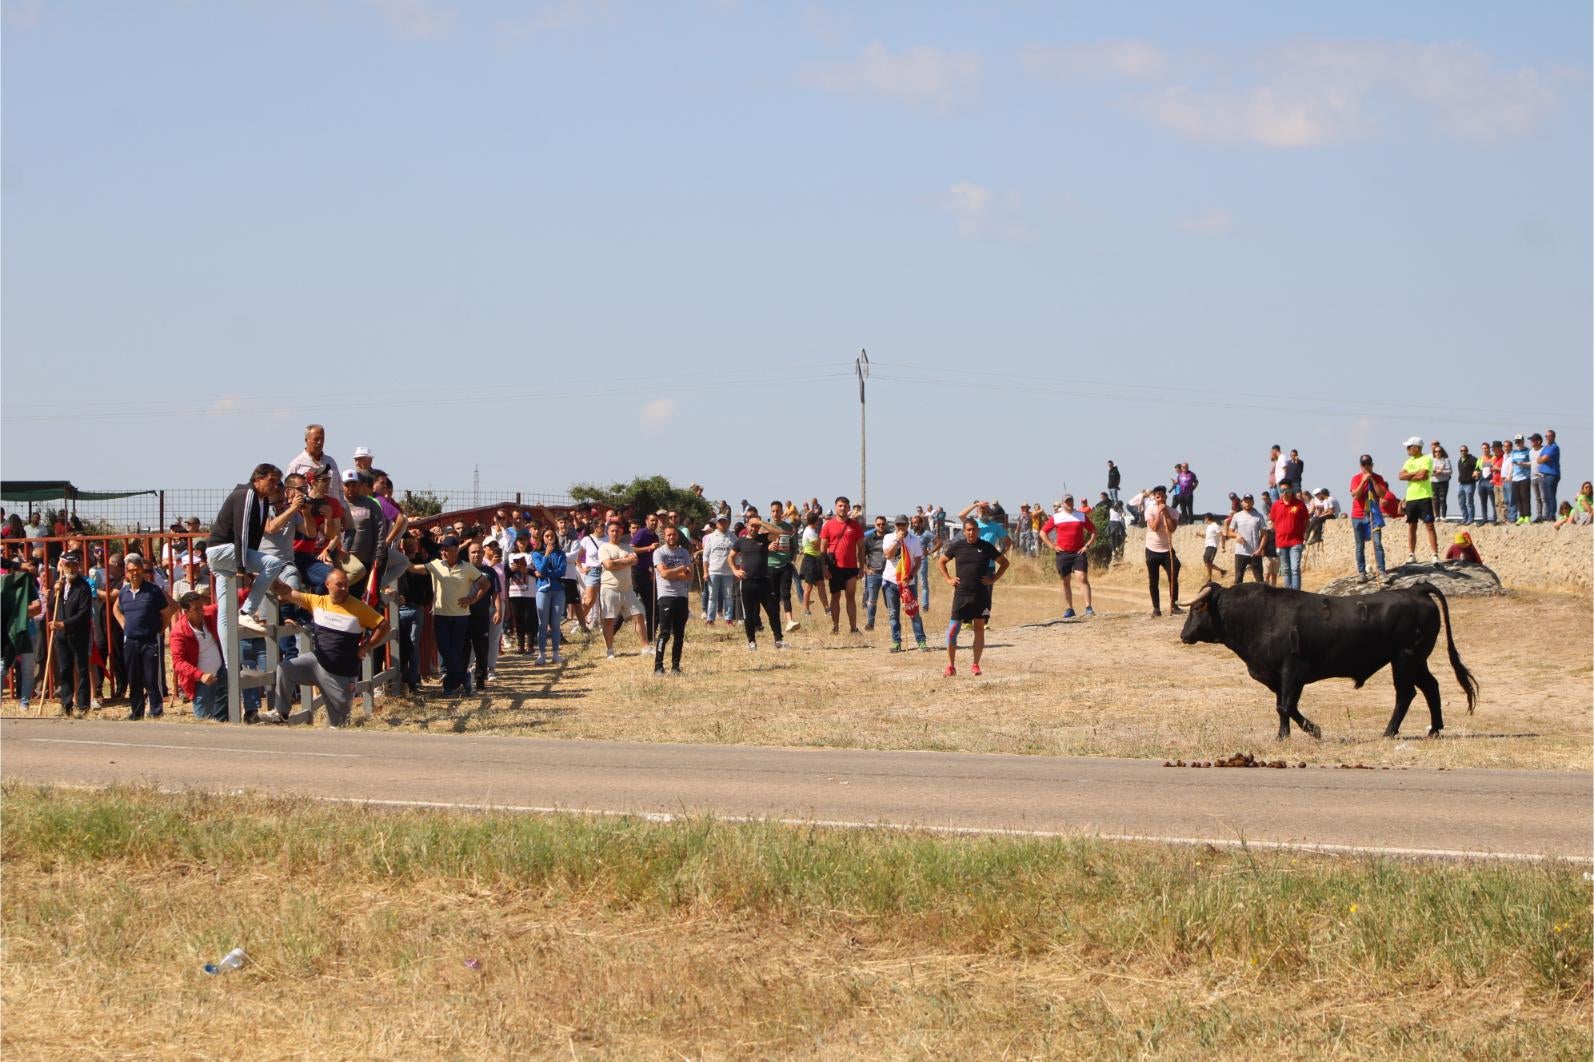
[587, 548]
[1245, 531]
[904, 552]
[1213, 532]
[717, 575]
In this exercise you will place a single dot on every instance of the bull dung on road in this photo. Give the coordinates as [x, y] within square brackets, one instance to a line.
[1290, 638]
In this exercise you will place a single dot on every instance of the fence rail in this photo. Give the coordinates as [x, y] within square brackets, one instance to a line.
[157, 511]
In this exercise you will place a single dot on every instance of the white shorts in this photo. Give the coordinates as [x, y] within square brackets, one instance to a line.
[619, 604]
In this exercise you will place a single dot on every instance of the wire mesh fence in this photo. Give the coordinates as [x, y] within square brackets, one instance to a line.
[159, 509]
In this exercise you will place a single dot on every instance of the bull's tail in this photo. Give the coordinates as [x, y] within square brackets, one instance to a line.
[1463, 676]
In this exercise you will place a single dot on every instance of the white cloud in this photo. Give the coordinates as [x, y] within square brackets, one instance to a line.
[1131, 59]
[1318, 93]
[1212, 222]
[658, 413]
[416, 19]
[920, 75]
[980, 213]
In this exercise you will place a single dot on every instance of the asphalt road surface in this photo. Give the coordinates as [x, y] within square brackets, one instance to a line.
[1449, 813]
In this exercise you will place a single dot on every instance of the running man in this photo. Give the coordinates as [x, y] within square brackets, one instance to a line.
[971, 590]
[1069, 533]
[780, 560]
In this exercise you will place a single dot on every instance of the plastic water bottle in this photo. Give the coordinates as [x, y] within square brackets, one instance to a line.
[231, 961]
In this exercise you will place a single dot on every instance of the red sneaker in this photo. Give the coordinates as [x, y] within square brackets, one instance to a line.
[949, 672]
[974, 670]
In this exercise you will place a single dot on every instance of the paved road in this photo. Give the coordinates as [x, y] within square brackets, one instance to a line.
[1486, 813]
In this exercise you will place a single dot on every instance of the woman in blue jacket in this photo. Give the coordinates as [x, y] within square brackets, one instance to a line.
[548, 562]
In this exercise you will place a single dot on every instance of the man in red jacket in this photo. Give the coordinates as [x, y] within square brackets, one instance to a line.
[1289, 517]
[196, 657]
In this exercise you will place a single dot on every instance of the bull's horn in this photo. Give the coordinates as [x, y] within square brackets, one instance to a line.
[1202, 596]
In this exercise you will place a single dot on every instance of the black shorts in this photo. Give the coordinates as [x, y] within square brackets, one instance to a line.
[813, 570]
[1419, 511]
[572, 591]
[1069, 563]
[968, 606]
[1209, 554]
[840, 577]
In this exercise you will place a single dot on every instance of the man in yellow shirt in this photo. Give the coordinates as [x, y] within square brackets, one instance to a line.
[1418, 474]
[456, 586]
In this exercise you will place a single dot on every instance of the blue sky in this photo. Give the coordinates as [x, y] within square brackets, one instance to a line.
[584, 241]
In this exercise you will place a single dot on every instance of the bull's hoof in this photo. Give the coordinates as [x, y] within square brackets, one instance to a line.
[1391, 732]
[1434, 735]
[1313, 729]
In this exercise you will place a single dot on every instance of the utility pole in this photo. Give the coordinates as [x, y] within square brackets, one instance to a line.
[861, 365]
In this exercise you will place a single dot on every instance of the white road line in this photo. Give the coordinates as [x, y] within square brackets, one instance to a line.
[194, 748]
[985, 831]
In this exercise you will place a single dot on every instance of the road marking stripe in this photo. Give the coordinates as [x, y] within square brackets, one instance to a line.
[194, 748]
[998, 831]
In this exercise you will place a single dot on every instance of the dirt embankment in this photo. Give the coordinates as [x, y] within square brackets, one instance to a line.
[1532, 557]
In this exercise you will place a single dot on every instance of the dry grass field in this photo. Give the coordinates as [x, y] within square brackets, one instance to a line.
[428, 935]
[1118, 684]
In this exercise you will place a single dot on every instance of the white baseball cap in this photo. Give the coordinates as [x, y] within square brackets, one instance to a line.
[362, 451]
[1415, 440]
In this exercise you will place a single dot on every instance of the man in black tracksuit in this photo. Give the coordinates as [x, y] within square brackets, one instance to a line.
[71, 622]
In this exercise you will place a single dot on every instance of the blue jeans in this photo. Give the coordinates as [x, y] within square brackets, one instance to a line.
[1464, 494]
[410, 643]
[313, 572]
[894, 610]
[223, 561]
[1364, 531]
[1290, 564]
[721, 590]
[1485, 503]
[922, 578]
[210, 702]
[550, 609]
[1547, 503]
[452, 632]
[871, 595]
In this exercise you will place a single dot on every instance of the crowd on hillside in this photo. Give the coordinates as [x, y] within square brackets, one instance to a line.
[333, 549]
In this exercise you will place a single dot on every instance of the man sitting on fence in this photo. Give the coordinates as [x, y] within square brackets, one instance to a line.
[337, 622]
[234, 543]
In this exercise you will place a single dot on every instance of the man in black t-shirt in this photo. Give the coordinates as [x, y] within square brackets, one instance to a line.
[971, 589]
[750, 564]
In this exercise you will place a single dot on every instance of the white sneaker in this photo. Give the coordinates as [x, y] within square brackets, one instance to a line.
[558, 658]
[792, 625]
[611, 654]
[752, 646]
[541, 660]
[1436, 558]
[1411, 558]
[646, 650]
[780, 645]
[273, 716]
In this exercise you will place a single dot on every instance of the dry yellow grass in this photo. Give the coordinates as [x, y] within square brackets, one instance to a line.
[634, 940]
[1120, 684]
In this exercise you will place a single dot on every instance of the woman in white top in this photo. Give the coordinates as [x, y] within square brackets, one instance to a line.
[522, 594]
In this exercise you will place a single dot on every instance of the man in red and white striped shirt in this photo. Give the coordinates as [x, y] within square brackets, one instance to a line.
[1068, 532]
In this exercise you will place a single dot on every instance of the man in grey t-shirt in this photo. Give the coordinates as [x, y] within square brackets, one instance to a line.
[672, 574]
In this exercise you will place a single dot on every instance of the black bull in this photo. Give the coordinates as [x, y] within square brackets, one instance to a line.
[1289, 638]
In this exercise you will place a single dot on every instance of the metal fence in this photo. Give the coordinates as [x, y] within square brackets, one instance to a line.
[158, 510]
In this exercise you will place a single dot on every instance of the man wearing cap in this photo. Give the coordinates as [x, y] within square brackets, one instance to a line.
[1244, 528]
[1069, 533]
[904, 555]
[1417, 472]
[1521, 459]
[456, 586]
[1548, 464]
[364, 528]
[71, 616]
[313, 459]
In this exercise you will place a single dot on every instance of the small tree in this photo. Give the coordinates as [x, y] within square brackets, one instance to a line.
[422, 503]
[646, 494]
